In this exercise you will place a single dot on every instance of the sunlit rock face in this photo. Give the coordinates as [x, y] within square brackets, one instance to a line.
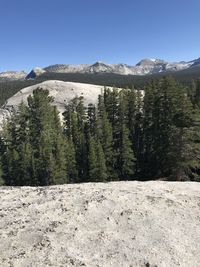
[101, 224]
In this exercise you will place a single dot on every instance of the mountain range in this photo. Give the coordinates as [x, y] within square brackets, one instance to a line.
[143, 67]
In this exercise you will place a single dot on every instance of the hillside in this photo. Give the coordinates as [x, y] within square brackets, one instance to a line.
[113, 224]
[9, 88]
[62, 92]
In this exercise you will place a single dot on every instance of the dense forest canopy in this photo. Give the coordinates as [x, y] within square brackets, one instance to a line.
[127, 136]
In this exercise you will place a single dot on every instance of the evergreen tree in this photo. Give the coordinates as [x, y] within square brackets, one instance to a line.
[197, 93]
[167, 115]
[96, 161]
[193, 137]
[34, 144]
[91, 118]
[75, 128]
[2, 151]
[148, 162]
[92, 159]
[41, 136]
[104, 133]
[59, 150]
[16, 156]
[137, 139]
[111, 101]
[72, 169]
[126, 159]
[194, 146]
[101, 163]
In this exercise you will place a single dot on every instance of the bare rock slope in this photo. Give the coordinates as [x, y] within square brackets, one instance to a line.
[62, 93]
[115, 224]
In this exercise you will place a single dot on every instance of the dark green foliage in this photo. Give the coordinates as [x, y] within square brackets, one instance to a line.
[96, 161]
[194, 136]
[9, 88]
[105, 135]
[34, 151]
[197, 93]
[101, 163]
[167, 120]
[126, 136]
[75, 129]
[72, 169]
[92, 159]
[126, 157]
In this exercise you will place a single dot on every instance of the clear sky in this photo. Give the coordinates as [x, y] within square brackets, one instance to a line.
[43, 32]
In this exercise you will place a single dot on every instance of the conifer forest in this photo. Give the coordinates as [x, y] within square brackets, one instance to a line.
[131, 134]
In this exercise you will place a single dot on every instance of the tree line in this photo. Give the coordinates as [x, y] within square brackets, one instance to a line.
[9, 88]
[130, 134]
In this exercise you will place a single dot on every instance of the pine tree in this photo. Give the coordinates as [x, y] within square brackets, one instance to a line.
[16, 155]
[2, 151]
[194, 146]
[92, 159]
[23, 148]
[179, 136]
[197, 93]
[59, 150]
[137, 139]
[101, 163]
[81, 147]
[75, 129]
[46, 140]
[72, 170]
[104, 133]
[148, 161]
[111, 101]
[192, 133]
[91, 118]
[167, 118]
[126, 159]
[96, 161]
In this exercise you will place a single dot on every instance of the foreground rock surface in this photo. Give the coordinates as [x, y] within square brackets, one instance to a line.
[115, 224]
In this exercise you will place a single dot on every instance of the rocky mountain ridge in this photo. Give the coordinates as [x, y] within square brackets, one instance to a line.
[143, 67]
[12, 75]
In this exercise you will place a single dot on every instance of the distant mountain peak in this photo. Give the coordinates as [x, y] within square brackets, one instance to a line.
[37, 71]
[99, 63]
[150, 61]
[13, 75]
[195, 62]
[143, 67]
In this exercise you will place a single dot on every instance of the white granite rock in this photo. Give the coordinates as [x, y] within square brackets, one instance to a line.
[113, 224]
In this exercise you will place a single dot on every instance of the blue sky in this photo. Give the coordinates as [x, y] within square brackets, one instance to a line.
[44, 32]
